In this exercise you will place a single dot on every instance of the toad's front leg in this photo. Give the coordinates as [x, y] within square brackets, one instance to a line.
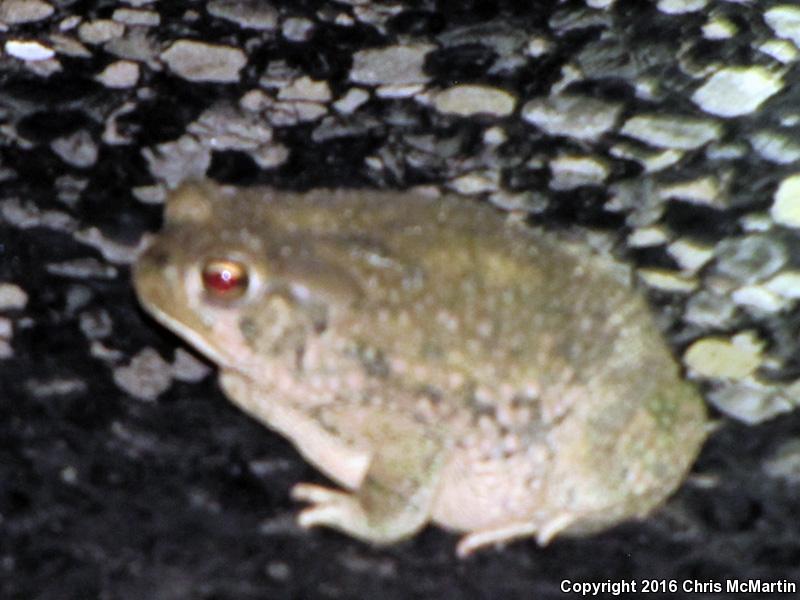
[394, 499]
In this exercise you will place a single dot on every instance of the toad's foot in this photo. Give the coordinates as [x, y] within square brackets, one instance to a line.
[505, 533]
[345, 512]
[394, 498]
[330, 508]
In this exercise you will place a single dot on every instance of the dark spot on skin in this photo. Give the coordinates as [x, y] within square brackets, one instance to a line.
[477, 408]
[432, 351]
[249, 331]
[318, 315]
[432, 393]
[373, 361]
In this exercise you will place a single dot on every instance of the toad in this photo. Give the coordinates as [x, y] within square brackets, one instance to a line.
[436, 362]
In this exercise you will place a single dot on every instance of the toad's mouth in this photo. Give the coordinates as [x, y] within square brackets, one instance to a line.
[190, 333]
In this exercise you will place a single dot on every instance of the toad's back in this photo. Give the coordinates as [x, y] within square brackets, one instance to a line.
[452, 289]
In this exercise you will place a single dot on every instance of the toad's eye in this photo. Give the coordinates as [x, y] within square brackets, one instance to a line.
[225, 279]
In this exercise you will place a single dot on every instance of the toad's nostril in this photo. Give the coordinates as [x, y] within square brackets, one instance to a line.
[158, 258]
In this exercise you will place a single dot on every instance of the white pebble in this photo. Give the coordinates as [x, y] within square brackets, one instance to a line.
[785, 208]
[28, 50]
[15, 12]
[12, 297]
[197, 61]
[466, 100]
[786, 284]
[736, 91]
[785, 21]
[734, 358]
[120, 74]
[757, 296]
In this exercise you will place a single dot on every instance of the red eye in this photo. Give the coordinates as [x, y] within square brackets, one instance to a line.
[225, 279]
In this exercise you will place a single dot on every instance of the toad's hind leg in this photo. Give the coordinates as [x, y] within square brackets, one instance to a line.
[395, 497]
[544, 532]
